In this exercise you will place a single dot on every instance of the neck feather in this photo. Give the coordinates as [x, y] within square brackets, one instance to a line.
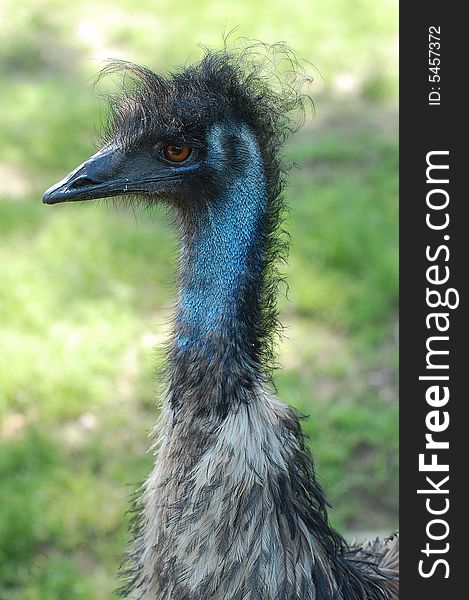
[223, 257]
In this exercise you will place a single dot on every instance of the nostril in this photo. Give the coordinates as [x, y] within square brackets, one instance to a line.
[82, 182]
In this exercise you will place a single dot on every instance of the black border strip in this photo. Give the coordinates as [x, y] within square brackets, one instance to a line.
[431, 124]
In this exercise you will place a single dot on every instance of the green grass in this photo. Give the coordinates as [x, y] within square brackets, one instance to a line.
[85, 291]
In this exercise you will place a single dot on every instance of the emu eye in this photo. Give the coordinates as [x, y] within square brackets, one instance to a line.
[177, 153]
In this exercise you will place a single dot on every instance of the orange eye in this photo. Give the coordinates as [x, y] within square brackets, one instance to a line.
[177, 153]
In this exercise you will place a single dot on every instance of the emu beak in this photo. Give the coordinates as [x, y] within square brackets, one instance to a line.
[101, 176]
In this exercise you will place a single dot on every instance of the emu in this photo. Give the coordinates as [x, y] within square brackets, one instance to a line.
[232, 509]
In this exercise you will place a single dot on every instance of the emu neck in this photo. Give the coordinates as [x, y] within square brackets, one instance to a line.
[222, 262]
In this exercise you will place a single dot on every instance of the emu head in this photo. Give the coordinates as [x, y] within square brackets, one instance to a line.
[159, 142]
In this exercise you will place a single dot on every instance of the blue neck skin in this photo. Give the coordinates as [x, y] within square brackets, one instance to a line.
[223, 254]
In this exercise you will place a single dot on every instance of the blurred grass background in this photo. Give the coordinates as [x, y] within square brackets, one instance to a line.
[85, 292]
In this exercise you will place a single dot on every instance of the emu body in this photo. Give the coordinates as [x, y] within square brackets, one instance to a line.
[232, 509]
